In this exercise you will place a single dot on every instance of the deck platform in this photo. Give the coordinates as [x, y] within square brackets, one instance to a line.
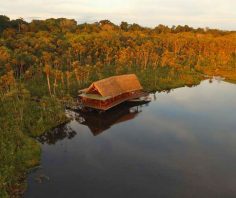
[115, 102]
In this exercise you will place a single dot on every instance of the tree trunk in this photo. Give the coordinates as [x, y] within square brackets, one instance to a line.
[49, 86]
[54, 86]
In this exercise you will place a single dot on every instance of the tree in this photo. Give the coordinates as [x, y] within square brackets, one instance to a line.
[124, 26]
[68, 25]
[4, 58]
[162, 29]
[48, 70]
[4, 22]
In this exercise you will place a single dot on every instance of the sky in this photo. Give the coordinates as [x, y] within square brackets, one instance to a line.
[219, 14]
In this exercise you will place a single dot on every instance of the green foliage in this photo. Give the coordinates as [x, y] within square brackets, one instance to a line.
[43, 116]
[4, 21]
[166, 78]
[20, 118]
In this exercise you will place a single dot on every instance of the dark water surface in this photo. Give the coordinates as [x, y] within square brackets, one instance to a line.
[182, 144]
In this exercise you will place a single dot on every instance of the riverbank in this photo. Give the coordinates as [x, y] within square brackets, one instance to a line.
[22, 119]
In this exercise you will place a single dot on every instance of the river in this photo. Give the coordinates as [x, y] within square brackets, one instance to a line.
[180, 145]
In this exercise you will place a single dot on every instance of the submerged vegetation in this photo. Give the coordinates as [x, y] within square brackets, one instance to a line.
[43, 64]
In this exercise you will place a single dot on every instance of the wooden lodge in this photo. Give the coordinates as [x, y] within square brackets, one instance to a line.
[107, 93]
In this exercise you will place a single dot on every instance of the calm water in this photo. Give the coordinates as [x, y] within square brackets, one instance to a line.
[182, 144]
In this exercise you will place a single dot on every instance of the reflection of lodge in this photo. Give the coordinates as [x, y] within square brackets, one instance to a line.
[97, 123]
[109, 92]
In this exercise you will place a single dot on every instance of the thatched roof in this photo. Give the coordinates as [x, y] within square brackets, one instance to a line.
[115, 85]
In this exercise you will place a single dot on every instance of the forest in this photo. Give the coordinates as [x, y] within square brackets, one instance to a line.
[43, 64]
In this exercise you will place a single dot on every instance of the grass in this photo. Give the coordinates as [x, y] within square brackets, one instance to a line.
[21, 119]
[166, 78]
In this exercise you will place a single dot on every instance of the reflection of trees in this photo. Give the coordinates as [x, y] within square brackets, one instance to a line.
[59, 133]
[98, 123]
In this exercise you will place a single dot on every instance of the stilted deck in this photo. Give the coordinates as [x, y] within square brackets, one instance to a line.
[105, 105]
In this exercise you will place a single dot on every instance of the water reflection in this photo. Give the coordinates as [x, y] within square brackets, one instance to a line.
[96, 122]
[59, 133]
